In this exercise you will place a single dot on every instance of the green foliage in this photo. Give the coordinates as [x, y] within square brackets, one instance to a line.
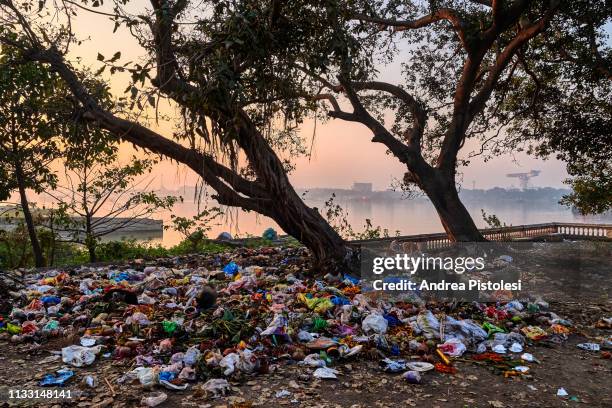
[28, 130]
[492, 220]
[15, 250]
[194, 229]
[592, 186]
[124, 250]
[101, 196]
[337, 217]
[559, 103]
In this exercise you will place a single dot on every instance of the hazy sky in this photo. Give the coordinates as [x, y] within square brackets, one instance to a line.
[342, 153]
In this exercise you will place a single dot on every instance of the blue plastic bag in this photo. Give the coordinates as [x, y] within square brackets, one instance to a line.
[231, 268]
[166, 376]
[58, 379]
[50, 300]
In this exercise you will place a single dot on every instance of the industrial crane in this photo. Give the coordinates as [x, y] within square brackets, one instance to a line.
[524, 177]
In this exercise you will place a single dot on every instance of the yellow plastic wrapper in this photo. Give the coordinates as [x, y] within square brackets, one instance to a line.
[319, 305]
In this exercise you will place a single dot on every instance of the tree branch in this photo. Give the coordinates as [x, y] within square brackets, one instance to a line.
[464, 108]
[204, 165]
[419, 114]
[442, 14]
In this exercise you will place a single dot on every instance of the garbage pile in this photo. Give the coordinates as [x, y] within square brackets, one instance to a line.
[197, 322]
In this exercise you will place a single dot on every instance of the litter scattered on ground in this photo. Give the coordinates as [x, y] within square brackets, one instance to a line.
[180, 324]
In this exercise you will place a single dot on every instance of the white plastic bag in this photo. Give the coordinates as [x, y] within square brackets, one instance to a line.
[429, 324]
[375, 323]
[79, 356]
[153, 400]
[192, 356]
[216, 386]
[229, 363]
[247, 362]
[453, 347]
[326, 373]
[313, 360]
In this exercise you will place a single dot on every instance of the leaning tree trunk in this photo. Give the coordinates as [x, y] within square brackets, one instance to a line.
[455, 218]
[271, 194]
[308, 226]
[39, 259]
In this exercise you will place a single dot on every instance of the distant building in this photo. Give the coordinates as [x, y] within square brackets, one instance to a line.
[362, 187]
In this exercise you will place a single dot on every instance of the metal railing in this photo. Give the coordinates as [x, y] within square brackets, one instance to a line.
[565, 230]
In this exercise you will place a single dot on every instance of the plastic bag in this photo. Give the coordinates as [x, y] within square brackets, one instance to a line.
[171, 386]
[229, 363]
[187, 373]
[145, 299]
[245, 283]
[282, 394]
[428, 324]
[528, 357]
[534, 332]
[393, 366]
[170, 326]
[247, 362]
[216, 386]
[499, 349]
[420, 366]
[51, 325]
[276, 326]
[516, 348]
[231, 268]
[138, 318]
[413, 377]
[148, 377]
[58, 379]
[375, 323]
[326, 373]
[453, 347]
[318, 305]
[589, 346]
[304, 336]
[79, 356]
[154, 399]
[192, 356]
[313, 360]
[465, 330]
[508, 339]
[87, 341]
[165, 346]
[90, 381]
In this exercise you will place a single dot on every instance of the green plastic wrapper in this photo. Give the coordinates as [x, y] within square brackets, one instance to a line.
[169, 327]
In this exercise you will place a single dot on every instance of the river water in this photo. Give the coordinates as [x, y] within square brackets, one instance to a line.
[409, 217]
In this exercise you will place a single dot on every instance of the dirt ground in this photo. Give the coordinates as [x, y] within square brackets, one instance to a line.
[586, 376]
